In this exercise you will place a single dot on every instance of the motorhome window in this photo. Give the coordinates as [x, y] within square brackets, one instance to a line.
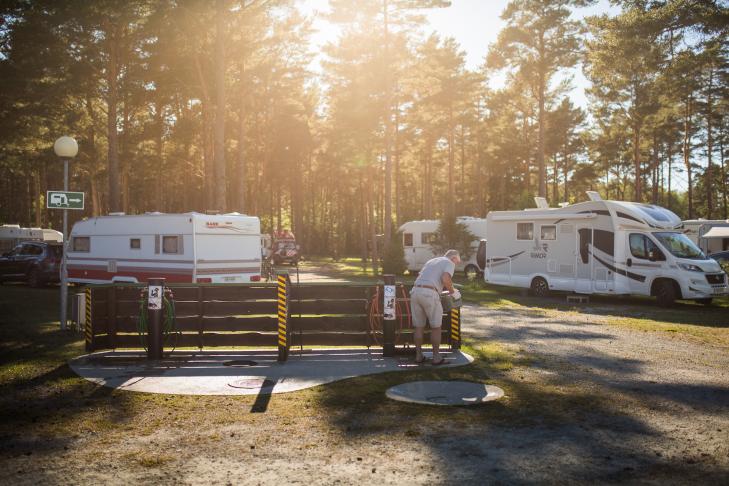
[524, 231]
[135, 243]
[169, 244]
[659, 214]
[641, 247]
[407, 239]
[680, 246]
[81, 243]
[549, 232]
[427, 238]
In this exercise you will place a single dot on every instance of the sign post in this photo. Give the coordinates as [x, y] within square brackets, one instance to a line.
[66, 148]
[64, 200]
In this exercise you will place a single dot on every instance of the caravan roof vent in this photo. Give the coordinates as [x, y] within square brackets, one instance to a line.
[593, 195]
[117, 214]
[541, 202]
[152, 213]
[564, 204]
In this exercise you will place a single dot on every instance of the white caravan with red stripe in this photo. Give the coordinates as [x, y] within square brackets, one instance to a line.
[190, 247]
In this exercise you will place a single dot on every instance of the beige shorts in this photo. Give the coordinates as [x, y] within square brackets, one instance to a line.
[425, 306]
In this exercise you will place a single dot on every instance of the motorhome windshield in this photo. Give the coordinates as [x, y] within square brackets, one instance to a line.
[680, 246]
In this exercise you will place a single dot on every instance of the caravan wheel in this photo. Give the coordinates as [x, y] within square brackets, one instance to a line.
[470, 272]
[539, 287]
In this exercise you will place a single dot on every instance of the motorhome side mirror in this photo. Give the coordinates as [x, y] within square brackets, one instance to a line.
[652, 256]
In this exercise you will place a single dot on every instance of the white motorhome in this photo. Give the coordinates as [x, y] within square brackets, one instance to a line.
[417, 237]
[190, 247]
[13, 234]
[600, 247]
[711, 235]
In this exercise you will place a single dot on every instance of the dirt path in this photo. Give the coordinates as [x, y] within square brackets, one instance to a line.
[670, 394]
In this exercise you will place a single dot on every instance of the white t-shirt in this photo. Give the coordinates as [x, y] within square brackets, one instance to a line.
[432, 272]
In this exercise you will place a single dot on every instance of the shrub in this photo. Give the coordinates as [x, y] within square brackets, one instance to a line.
[453, 234]
[393, 260]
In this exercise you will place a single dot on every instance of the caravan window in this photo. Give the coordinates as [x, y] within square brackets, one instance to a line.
[171, 244]
[135, 243]
[427, 238]
[81, 243]
[549, 232]
[407, 239]
[524, 231]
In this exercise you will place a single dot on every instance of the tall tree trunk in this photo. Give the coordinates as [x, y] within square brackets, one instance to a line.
[555, 181]
[396, 162]
[112, 100]
[37, 198]
[654, 171]
[451, 205]
[220, 193]
[540, 143]
[159, 150]
[428, 187]
[724, 175]
[241, 177]
[388, 121]
[636, 162]
[687, 153]
[709, 178]
[669, 156]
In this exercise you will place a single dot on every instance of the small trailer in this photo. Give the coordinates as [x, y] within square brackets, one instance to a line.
[189, 247]
[418, 236]
[600, 247]
[11, 235]
[711, 235]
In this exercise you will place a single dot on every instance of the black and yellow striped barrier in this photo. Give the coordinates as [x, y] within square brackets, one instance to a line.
[283, 317]
[88, 329]
[455, 328]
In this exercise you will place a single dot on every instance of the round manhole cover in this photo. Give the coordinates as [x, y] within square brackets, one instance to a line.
[240, 363]
[251, 383]
[445, 392]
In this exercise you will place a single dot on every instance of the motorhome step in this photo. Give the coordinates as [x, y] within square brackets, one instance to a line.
[578, 299]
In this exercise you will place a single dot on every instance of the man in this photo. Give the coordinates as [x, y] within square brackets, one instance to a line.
[425, 301]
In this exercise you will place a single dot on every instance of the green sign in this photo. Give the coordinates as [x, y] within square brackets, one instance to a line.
[64, 200]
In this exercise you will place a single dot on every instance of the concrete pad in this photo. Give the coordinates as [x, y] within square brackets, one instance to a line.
[445, 392]
[240, 372]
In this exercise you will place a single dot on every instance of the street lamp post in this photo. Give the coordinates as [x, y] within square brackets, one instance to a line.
[66, 148]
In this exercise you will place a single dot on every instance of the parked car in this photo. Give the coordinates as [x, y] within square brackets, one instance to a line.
[723, 258]
[35, 262]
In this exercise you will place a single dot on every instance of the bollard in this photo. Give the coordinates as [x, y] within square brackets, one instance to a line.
[388, 316]
[156, 288]
[282, 291]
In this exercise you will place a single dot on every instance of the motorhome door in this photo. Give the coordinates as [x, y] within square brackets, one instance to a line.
[584, 260]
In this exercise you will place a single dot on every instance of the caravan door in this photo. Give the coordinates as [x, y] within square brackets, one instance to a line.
[584, 260]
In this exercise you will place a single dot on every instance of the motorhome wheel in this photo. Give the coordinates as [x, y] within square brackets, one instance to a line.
[666, 293]
[539, 287]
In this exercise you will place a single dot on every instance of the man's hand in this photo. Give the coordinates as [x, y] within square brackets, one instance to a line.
[456, 294]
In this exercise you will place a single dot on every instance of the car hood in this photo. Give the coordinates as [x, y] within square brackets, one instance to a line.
[708, 266]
